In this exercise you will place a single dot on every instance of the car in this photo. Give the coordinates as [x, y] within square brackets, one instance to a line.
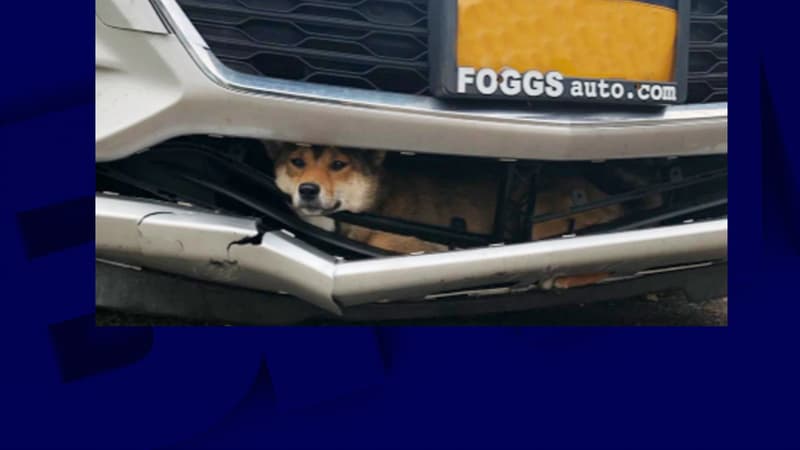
[189, 221]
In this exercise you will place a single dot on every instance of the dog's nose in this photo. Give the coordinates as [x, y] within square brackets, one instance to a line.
[308, 191]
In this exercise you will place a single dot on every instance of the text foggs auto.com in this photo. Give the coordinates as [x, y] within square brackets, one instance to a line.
[512, 83]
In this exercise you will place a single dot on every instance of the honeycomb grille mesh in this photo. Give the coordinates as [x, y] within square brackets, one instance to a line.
[383, 44]
[708, 52]
[369, 44]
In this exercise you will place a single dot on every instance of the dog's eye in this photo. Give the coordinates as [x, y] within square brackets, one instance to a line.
[297, 162]
[338, 165]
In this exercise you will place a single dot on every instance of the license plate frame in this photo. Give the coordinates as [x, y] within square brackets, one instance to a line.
[443, 19]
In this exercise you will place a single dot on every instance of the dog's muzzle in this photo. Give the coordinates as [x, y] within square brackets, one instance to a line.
[310, 203]
[308, 191]
[316, 209]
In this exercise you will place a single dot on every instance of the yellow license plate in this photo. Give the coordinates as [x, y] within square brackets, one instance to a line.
[613, 51]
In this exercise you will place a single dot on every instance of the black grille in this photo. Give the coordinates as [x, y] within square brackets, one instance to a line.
[369, 44]
[708, 56]
[382, 44]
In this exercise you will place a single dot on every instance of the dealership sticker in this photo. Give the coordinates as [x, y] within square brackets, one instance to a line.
[535, 84]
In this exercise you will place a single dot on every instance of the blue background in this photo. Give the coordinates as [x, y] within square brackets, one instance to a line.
[66, 383]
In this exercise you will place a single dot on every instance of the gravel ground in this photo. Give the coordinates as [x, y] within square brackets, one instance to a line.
[642, 311]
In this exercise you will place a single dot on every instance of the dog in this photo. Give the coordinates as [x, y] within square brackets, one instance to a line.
[323, 180]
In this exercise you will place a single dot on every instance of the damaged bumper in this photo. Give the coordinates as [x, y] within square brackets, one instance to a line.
[231, 250]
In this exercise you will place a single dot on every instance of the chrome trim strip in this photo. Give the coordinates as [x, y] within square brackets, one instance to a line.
[621, 253]
[220, 248]
[568, 116]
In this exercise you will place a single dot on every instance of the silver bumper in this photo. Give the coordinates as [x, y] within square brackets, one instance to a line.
[217, 248]
[152, 87]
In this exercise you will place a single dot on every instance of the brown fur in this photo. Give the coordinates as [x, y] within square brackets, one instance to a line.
[422, 194]
[354, 187]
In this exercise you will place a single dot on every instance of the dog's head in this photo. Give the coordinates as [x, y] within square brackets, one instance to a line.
[323, 180]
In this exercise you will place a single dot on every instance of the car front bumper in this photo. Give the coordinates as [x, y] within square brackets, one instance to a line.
[231, 250]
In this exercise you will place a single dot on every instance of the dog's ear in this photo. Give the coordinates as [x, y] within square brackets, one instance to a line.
[275, 149]
[376, 157]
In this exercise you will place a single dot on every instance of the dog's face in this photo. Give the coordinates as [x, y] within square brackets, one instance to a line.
[324, 180]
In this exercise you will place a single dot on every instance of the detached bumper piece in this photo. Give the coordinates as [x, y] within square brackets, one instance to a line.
[232, 250]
